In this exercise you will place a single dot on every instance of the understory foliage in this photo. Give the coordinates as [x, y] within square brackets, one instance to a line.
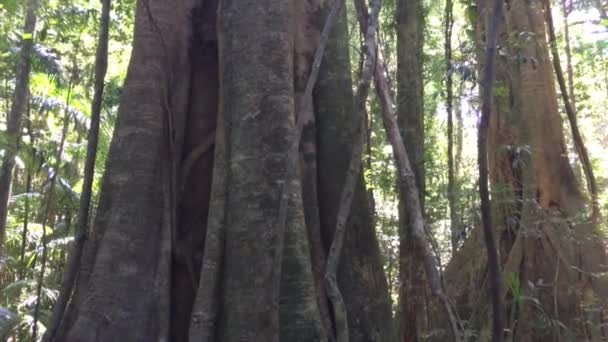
[58, 109]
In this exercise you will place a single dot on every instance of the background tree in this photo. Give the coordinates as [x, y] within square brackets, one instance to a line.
[177, 223]
[410, 29]
[15, 117]
[546, 242]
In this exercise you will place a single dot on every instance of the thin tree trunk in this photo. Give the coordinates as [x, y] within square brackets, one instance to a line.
[26, 211]
[49, 203]
[571, 113]
[487, 100]
[26, 219]
[361, 276]
[15, 116]
[569, 67]
[459, 135]
[407, 185]
[449, 23]
[73, 264]
[354, 169]
[410, 121]
[308, 32]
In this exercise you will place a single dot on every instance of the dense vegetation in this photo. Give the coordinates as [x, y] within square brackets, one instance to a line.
[423, 65]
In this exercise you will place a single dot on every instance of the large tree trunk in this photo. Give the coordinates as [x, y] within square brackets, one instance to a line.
[410, 114]
[257, 92]
[236, 83]
[549, 251]
[126, 294]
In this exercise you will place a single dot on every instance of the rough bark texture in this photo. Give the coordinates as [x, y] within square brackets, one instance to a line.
[256, 73]
[309, 32]
[237, 82]
[15, 116]
[410, 116]
[547, 249]
[124, 297]
[350, 181]
[360, 277]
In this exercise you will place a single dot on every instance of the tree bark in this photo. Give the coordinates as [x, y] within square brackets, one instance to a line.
[122, 287]
[361, 275]
[237, 271]
[407, 186]
[353, 172]
[410, 116]
[15, 116]
[536, 199]
[257, 76]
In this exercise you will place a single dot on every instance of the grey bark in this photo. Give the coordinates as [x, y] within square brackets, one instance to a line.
[256, 73]
[15, 116]
[252, 281]
[196, 168]
[122, 287]
[361, 276]
[353, 172]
